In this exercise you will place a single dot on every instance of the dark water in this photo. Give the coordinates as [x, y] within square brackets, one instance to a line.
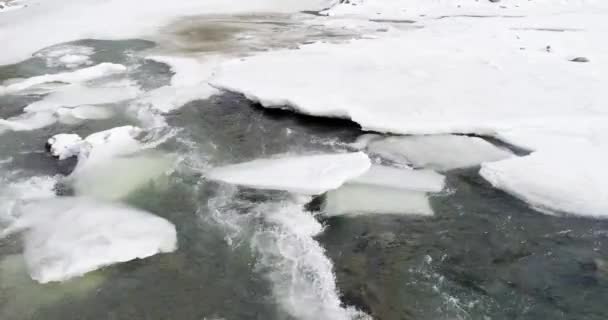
[483, 255]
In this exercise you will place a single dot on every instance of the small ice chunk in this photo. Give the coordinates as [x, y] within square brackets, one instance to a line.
[78, 94]
[109, 143]
[573, 181]
[118, 177]
[356, 199]
[298, 174]
[68, 237]
[28, 121]
[65, 145]
[414, 180]
[440, 152]
[81, 75]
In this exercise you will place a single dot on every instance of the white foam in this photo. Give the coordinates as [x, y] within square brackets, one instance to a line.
[356, 199]
[573, 181]
[188, 83]
[441, 152]
[68, 237]
[404, 178]
[299, 174]
[77, 76]
[302, 276]
[69, 56]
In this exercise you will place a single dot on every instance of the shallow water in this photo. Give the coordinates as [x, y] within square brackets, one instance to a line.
[483, 255]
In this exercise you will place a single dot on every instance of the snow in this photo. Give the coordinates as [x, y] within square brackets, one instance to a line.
[414, 180]
[573, 181]
[466, 75]
[440, 152]
[313, 174]
[357, 199]
[49, 22]
[65, 145]
[69, 237]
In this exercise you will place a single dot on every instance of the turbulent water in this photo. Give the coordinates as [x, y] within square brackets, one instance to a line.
[252, 254]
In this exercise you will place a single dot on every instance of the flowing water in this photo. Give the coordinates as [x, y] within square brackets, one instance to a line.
[252, 254]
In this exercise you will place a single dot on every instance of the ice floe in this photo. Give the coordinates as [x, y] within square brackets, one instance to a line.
[402, 178]
[357, 199]
[77, 76]
[572, 181]
[309, 175]
[13, 192]
[479, 76]
[440, 152]
[68, 237]
[302, 275]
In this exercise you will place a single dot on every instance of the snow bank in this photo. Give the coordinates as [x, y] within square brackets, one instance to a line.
[299, 174]
[441, 152]
[414, 180]
[68, 237]
[302, 275]
[466, 75]
[573, 181]
[50, 22]
[356, 199]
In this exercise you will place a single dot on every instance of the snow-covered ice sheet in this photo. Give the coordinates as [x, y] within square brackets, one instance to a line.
[45, 23]
[440, 152]
[308, 175]
[572, 180]
[465, 75]
[402, 178]
[356, 199]
[68, 237]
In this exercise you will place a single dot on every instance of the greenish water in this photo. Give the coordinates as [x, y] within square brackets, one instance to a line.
[484, 255]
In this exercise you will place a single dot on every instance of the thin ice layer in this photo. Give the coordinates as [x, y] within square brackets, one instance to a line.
[402, 178]
[573, 181]
[357, 199]
[440, 152]
[68, 237]
[299, 174]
